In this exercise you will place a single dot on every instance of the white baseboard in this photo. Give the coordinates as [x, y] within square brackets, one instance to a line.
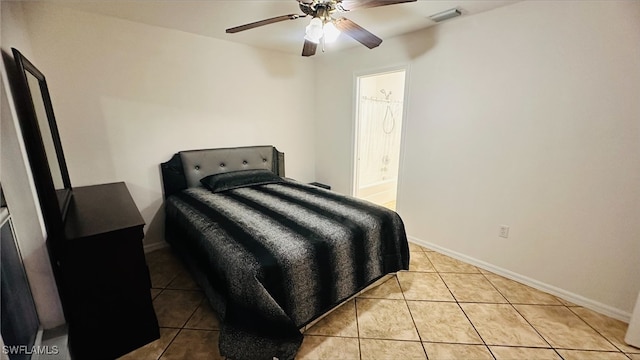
[155, 246]
[561, 293]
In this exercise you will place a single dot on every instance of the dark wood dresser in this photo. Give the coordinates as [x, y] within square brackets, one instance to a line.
[106, 282]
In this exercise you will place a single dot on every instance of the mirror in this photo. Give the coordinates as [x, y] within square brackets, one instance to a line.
[42, 142]
[45, 131]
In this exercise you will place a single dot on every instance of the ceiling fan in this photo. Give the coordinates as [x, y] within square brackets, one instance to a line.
[323, 26]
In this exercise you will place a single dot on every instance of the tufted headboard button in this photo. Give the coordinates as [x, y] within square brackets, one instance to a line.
[264, 160]
[197, 167]
[244, 162]
[221, 165]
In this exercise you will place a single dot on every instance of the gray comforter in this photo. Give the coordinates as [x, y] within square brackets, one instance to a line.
[277, 256]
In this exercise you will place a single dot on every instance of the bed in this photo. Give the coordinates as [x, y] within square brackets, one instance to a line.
[272, 254]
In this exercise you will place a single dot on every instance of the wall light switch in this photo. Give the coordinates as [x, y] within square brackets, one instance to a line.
[504, 231]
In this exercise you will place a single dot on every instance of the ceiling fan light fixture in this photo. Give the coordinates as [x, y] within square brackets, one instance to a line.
[314, 30]
[323, 27]
[331, 32]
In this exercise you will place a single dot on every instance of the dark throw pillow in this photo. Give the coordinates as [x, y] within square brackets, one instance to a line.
[237, 179]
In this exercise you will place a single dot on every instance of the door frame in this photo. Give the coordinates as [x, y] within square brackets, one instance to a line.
[355, 122]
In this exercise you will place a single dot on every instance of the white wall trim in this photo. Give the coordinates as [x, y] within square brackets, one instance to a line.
[561, 293]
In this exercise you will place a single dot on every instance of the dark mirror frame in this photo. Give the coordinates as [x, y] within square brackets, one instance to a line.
[53, 202]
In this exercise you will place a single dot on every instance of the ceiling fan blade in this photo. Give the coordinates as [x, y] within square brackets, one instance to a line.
[361, 4]
[309, 48]
[357, 32]
[256, 24]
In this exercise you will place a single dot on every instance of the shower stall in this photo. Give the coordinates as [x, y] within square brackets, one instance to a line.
[378, 137]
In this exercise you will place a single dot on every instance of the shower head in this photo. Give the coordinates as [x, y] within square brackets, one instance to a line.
[386, 95]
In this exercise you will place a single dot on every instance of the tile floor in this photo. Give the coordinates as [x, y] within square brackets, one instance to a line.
[390, 205]
[441, 309]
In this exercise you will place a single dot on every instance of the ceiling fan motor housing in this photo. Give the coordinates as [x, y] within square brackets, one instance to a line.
[321, 9]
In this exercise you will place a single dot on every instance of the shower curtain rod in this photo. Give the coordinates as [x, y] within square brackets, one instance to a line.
[381, 100]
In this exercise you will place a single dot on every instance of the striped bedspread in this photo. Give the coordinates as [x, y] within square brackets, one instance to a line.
[281, 255]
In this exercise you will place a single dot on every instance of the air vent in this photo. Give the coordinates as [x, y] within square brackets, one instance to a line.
[445, 15]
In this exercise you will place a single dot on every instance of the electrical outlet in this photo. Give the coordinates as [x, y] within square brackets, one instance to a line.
[504, 231]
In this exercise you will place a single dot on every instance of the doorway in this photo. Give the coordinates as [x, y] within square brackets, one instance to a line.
[378, 136]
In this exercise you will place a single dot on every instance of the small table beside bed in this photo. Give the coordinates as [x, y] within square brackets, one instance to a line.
[272, 254]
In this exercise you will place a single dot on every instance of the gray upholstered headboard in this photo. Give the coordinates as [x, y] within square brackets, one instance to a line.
[186, 168]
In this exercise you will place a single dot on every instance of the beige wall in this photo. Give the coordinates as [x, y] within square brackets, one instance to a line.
[527, 115]
[128, 95]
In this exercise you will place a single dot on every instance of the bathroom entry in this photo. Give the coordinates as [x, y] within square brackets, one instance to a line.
[378, 134]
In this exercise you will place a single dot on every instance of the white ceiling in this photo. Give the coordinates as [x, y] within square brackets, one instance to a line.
[211, 18]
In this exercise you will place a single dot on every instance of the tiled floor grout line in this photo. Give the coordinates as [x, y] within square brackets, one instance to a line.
[594, 329]
[166, 287]
[466, 316]
[522, 316]
[355, 306]
[169, 344]
[459, 306]
[618, 350]
[561, 304]
[194, 312]
[508, 302]
[584, 321]
[411, 314]
[407, 303]
[512, 306]
[537, 331]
